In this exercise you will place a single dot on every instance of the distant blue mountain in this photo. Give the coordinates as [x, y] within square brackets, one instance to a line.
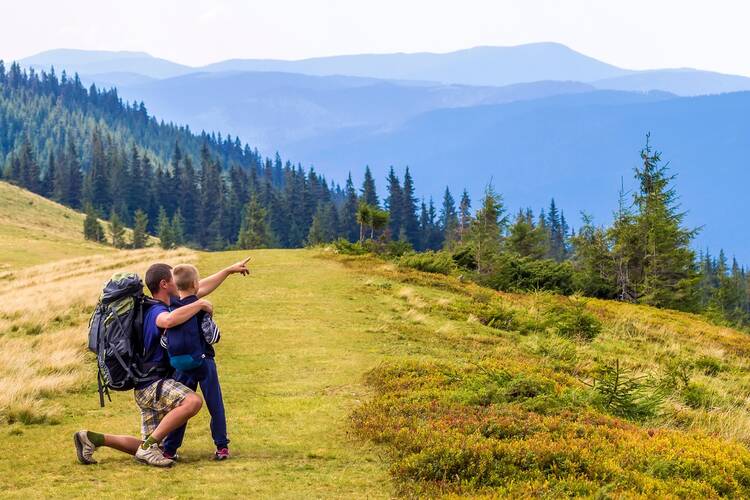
[271, 110]
[92, 62]
[476, 66]
[576, 148]
[686, 82]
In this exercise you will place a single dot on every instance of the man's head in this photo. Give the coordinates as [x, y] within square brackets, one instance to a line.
[186, 278]
[159, 281]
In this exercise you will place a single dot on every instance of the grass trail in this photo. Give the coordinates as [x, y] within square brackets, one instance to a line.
[297, 335]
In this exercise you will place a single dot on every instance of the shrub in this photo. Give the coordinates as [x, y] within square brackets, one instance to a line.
[511, 273]
[558, 348]
[697, 396]
[430, 262]
[709, 366]
[397, 248]
[573, 320]
[678, 372]
[464, 258]
[346, 247]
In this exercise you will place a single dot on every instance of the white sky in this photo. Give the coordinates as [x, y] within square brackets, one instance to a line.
[636, 34]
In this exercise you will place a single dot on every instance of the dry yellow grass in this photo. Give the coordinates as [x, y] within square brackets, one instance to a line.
[43, 315]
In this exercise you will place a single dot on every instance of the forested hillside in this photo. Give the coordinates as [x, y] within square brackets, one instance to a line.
[87, 149]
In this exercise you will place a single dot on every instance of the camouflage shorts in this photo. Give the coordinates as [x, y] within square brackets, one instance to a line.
[153, 409]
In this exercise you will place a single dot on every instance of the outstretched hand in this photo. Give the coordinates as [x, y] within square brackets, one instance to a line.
[239, 267]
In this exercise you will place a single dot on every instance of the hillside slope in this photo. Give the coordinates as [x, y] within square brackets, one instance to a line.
[447, 387]
[34, 230]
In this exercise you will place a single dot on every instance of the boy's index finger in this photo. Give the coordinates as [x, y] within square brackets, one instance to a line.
[246, 260]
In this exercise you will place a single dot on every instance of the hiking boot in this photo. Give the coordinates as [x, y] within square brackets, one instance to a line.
[153, 456]
[221, 454]
[84, 448]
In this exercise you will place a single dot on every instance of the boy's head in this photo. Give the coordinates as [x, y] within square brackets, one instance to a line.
[186, 278]
[159, 280]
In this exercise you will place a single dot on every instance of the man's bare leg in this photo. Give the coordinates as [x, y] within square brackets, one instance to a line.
[126, 444]
[176, 418]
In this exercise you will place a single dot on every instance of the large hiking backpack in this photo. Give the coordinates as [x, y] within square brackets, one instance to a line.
[116, 336]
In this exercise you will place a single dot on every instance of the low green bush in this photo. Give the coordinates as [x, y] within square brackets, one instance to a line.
[708, 365]
[573, 320]
[430, 262]
[697, 396]
[511, 273]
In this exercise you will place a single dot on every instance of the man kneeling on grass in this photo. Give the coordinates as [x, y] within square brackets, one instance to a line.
[165, 404]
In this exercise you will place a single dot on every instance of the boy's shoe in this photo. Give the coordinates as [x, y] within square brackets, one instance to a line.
[84, 448]
[168, 455]
[153, 456]
[222, 454]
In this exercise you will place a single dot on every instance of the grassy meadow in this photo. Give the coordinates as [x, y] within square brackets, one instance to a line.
[349, 377]
[35, 230]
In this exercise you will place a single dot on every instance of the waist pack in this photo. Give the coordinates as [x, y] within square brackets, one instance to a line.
[116, 336]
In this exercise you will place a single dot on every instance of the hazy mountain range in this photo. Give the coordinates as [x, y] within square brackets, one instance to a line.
[540, 120]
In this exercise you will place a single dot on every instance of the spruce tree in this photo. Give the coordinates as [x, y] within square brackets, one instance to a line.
[92, 228]
[525, 238]
[369, 194]
[410, 219]
[164, 230]
[323, 228]
[117, 231]
[449, 220]
[140, 235]
[348, 216]
[178, 230]
[254, 231]
[666, 276]
[74, 187]
[487, 229]
[464, 217]
[393, 203]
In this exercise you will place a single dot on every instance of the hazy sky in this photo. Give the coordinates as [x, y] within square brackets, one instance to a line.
[635, 34]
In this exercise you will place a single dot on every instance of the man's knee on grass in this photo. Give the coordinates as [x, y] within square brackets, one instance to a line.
[192, 404]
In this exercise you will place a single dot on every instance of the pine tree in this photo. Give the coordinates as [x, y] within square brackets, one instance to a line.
[556, 238]
[254, 231]
[666, 276]
[369, 194]
[487, 229]
[140, 236]
[74, 187]
[177, 229]
[166, 239]
[348, 217]
[525, 238]
[29, 168]
[97, 180]
[92, 228]
[393, 203]
[464, 217]
[117, 231]
[449, 220]
[324, 225]
[410, 221]
[594, 261]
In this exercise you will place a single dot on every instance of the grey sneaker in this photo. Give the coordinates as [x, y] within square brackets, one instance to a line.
[84, 448]
[153, 456]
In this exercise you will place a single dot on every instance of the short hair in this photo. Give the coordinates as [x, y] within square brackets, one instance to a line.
[155, 274]
[185, 275]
